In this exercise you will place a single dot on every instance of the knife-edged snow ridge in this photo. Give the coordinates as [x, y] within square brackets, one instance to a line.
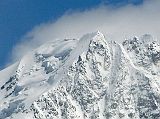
[86, 78]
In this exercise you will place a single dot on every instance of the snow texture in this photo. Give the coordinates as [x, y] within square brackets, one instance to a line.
[87, 78]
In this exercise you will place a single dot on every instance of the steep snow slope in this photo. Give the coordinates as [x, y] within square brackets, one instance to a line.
[88, 78]
[25, 82]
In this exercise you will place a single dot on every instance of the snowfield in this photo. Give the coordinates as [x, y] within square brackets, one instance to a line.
[87, 78]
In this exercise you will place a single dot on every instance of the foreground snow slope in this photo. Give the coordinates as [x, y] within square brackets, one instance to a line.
[88, 78]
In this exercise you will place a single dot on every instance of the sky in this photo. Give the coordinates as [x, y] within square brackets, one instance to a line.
[22, 22]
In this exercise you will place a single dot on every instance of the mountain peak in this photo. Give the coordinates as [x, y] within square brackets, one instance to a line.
[83, 79]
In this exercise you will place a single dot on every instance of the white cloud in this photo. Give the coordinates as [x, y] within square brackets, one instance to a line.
[116, 24]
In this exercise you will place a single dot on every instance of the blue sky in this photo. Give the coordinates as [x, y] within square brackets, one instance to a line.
[17, 17]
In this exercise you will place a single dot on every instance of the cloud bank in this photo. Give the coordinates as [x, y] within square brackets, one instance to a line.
[115, 23]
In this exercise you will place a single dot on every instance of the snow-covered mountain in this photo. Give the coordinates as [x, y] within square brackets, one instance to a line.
[89, 78]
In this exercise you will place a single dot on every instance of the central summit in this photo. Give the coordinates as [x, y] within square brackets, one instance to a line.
[83, 79]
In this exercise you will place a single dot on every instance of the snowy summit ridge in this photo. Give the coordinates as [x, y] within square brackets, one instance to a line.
[89, 78]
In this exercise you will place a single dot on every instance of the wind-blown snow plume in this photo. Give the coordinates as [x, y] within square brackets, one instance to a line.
[115, 23]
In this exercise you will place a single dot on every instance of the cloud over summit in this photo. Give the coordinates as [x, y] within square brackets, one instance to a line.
[116, 23]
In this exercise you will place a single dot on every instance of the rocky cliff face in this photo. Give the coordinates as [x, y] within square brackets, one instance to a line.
[88, 78]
